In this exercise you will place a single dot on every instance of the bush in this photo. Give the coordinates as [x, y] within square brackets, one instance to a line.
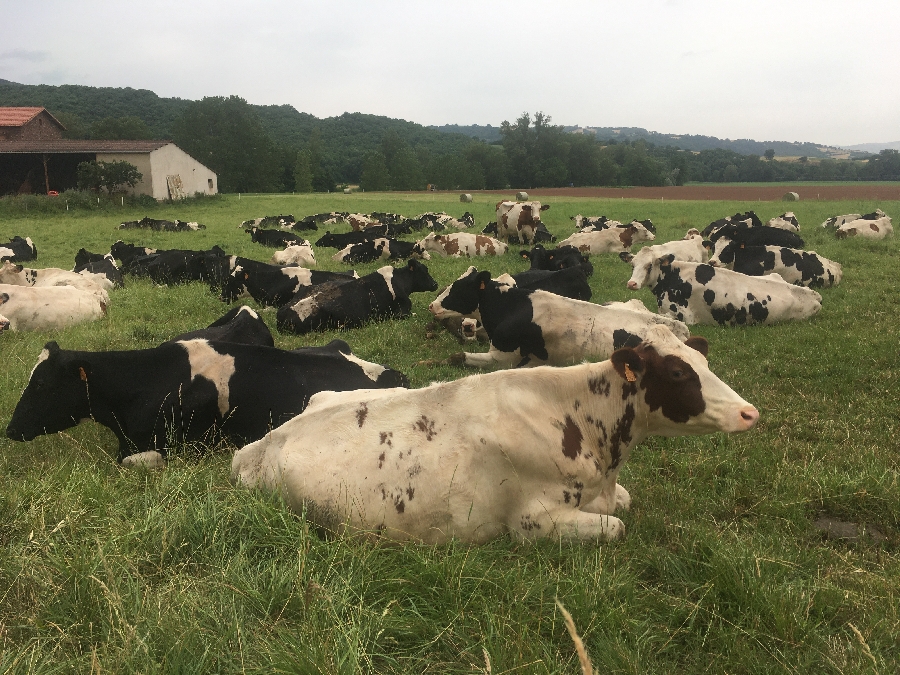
[113, 176]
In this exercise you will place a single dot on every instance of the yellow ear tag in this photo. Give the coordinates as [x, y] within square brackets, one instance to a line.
[481, 287]
[629, 374]
[82, 374]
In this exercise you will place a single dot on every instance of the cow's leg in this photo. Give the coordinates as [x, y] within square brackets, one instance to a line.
[608, 503]
[580, 525]
[487, 359]
[150, 460]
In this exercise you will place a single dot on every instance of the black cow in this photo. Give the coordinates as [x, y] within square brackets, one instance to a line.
[340, 241]
[557, 258]
[18, 249]
[570, 282]
[380, 248]
[274, 238]
[379, 295]
[272, 285]
[161, 225]
[191, 390]
[179, 266]
[241, 324]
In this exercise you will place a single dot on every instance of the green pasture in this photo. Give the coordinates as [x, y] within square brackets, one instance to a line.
[723, 569]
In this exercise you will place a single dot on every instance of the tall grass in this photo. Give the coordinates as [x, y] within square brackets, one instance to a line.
[111, 570]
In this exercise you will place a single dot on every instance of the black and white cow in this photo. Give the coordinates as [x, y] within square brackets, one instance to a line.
[382, 294]
[689, 249]
[750, 236]
[161, 225]
[104, 266]
[18, 249]
[271, 285]
[191, 390]
[875, 225]
[177, 266]
[837, 221]
[284, 222]
[430, 465]
[340, 241]
[275, 238]
[612, 240]
[700, 293]
[743, 220]
[240, 324]
[786, 221]
[380, 248]
[48, 308]
[531, 328]
[24, 276]
[558, 258]
[593, 223]
[802, 268]
[570, 282]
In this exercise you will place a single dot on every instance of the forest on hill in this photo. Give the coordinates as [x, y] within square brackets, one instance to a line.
[277, 148]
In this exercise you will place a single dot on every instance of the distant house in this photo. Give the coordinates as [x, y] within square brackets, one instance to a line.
[35, 158]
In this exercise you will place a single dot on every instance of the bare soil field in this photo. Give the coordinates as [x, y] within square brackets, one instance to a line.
[885, 191]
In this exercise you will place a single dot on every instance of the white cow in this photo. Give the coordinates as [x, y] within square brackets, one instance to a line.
[430, 465]
[463, 244]
[16, 275]
[870, 226]
[612, 240]
[48, 308]
[302, 255]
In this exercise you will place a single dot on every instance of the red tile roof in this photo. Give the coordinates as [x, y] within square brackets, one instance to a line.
[56, 146]
[17, 117]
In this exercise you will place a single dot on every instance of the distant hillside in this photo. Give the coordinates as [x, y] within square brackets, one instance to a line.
[873, 148]
[488, 133]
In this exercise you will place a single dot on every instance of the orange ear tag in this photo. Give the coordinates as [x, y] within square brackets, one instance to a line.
[481, 287]
[629, 374]
[82, 374]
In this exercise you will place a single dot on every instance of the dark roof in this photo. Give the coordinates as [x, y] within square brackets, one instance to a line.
[19, 117]
[57, 146]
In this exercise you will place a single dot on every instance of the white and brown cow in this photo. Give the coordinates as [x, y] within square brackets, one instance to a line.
[429, 465]
[519, 219]
[48, 308]
[612, 240]
[875, 225]
[462, 244]
[700, 293]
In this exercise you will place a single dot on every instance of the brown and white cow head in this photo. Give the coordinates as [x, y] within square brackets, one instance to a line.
[682, 394]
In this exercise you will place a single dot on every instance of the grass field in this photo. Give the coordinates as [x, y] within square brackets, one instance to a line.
[722, 569]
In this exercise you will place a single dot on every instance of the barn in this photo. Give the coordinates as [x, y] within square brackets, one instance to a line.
[36, 158]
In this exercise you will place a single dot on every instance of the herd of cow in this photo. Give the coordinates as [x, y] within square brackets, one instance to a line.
[533, 449]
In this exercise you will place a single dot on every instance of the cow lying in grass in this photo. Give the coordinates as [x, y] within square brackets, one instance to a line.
[430, 465]
[49, 308]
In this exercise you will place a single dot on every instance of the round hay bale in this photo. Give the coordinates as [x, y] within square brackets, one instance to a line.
[790, 197]
[465, 197]
[347, 191]
[522, 196]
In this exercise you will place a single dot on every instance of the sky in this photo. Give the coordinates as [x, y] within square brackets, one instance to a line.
[824, 71]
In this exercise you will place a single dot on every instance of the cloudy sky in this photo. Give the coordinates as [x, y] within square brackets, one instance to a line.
[823, 71]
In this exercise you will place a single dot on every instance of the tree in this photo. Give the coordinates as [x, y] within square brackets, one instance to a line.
[112, 176]
[227, 136]
[303, 172]
[121, 128]
[769, 154]
[375, 174]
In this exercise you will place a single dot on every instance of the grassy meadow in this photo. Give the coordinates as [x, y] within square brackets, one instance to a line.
[723, 569]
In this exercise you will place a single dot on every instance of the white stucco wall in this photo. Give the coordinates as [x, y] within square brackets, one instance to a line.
[168, 160]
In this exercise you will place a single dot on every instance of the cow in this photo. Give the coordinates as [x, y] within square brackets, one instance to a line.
[271, 285]
[43, 278]
[750, 236]
[748, 219]
[438, 222]
[870, 226]
[462, 244]
[593, 223]
[570, 282]
[612, 240]
[177, 266]
[105, 266]
[48, 308]
[360, 221]
[464, 329]
[295, 254]
[190, 390]
[837, 221]
[161, 225]
[700, 293]
[416, 465]
[275, 238]
[330, 218]
[557, 258]
[124, 253]
[689, 249]
[18, 249]
[380, 248]
[284, 221]
[541, 234]
[340, 241]
[382, 294]
[801, 268]
[531, 328]
[786, 221]
[240, 324]
[520, 219]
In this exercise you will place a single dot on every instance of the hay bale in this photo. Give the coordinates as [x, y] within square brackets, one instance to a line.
[522, 196]
[790, 197]
[465, 197]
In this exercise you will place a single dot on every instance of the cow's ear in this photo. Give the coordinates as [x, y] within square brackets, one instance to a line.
[4, 298]
[525, 254]
[52, 349]
[627, 363]
[707, 244]
[701, 344]
[625, 256]
[482, 278]
[19, 268]
[666, 260]
[544, 207]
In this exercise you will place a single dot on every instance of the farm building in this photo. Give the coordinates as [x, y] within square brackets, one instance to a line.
[35, 158]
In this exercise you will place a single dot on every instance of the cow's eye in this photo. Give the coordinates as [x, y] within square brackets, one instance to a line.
[677, 373]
